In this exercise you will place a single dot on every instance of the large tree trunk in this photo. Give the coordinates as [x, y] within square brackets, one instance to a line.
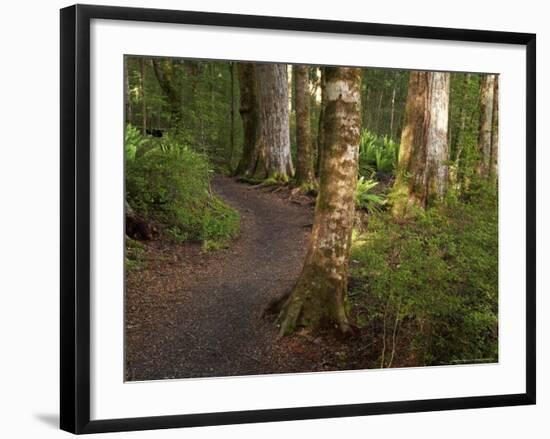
[165, 73]
[249, 116]
[485, 125]
[493, 172]
[272, 151]
[264, 110]
[305, 174]
[320, 295]
[422, 173]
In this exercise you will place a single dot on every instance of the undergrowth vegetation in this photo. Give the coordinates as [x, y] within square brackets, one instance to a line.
[365, 198]
[428, 286]
[377, 154]
[168, 183]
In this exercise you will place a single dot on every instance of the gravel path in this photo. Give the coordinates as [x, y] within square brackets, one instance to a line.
[190, 314]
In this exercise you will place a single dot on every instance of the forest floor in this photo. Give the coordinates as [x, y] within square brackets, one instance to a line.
[191, 313]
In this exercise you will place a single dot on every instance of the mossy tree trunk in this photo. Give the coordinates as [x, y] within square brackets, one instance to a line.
[493, 171]
[422, 172]
[305, 174]
[319, 297]
[166, 76]
[485, 125]
[249, 116]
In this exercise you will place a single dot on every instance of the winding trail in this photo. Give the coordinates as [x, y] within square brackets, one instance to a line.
[190, 314]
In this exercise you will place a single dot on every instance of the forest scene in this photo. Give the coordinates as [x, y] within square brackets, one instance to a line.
[297, 218]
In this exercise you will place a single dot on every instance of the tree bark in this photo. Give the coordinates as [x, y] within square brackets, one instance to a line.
[320, 295]
[305, 174]
[127, 102]
[272, 152]
[392, 112]
[249, 115]
[232, 113]
[379, 113]
[264, 110]
[485, 125]
[422, 173]
[320, 129]
[459, 142]
[494, 133]
[143, 102]
[165, 73]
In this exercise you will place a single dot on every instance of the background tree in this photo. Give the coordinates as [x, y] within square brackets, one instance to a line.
[305, 174]
[485, 125]
[383, 101]
[272, 152]
[493, 172]
[165, 73]
[320, 129]
[249, 117]
[422, 171]
[320, 295]
[127, 92]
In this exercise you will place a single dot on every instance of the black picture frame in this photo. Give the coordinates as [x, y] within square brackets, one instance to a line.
[75, 217]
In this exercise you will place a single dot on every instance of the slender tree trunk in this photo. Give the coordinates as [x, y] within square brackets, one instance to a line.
[305, 175]
[392, 112]
[159, 112]
[365, 108]
[232, 113]
[422, 173]
[249, 115]
[289, 78]
[321, 129]
[320, 295]
[485, 125]
[143, 102]
[494, 132]
[459, 143]
[127, 102]
[437, 172]
[272, 152]
[165, 73]
[379, 113]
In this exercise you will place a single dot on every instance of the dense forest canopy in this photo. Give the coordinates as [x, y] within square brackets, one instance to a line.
[402, 167]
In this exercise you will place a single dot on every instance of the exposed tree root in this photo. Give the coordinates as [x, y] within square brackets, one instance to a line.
[275, 305]
[297, 310]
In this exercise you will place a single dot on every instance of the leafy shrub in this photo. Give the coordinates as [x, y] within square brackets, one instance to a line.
[169, 183]
[365, 199]
[377, 154]
[432, 282]
[133, 141]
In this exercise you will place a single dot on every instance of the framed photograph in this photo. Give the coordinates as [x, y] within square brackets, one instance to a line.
[272, 218]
